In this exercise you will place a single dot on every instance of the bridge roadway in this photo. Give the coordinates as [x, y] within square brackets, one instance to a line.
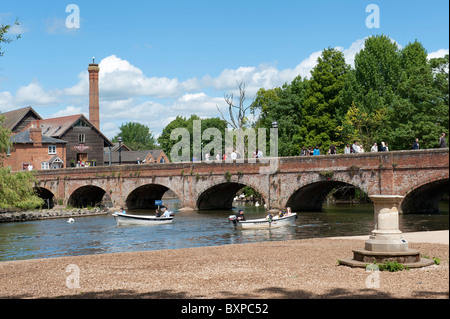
[302, 183]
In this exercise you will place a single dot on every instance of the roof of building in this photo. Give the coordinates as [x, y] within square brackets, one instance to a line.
[13, 118]
[58, 126]
[115, 148]
[24, 138]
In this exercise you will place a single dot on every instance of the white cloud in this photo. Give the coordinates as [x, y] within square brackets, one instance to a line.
[127, 94]
[34, 94]
[438, 54]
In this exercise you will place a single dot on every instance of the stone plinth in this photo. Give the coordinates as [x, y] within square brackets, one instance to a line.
[386, 242]
[386, 237]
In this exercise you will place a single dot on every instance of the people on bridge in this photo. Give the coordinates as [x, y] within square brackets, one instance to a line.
[316, 150]
[442, 142]
[347, 149]
[416, 145]
[374, 147]
[332, 150]
[303, 151]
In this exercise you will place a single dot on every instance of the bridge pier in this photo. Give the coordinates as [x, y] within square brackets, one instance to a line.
[386, 242]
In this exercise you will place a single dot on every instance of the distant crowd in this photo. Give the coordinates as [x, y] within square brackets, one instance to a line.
[356, 147]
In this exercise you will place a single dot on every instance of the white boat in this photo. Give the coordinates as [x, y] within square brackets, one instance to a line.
[127, 219]
[275, 222]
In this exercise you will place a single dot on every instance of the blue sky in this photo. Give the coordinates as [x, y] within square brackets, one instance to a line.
[160, 59]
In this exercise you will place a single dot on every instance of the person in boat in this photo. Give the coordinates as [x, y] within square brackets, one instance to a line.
[281, 214]
[269, 217]
[122, 210]
[240, 215]
[166, 212]
[288, 211]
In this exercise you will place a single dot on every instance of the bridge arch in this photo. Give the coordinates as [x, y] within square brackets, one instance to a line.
[425, 197]
[47, 195]
[220, 195]
[89, 195]
[144, 196]
[310, 197]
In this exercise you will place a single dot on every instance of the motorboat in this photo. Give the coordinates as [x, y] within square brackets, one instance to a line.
[274, 222]
[127, 219]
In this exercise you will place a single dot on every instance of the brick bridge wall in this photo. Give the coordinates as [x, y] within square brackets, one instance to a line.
[299, 182]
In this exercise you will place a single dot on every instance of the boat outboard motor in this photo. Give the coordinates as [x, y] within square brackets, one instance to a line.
[233, 219]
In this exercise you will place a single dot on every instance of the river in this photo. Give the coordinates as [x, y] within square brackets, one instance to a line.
[100, 234]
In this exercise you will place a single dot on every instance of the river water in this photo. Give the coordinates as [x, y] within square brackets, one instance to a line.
[100, 234]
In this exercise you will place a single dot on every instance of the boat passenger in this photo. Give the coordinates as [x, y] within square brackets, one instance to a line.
[288, 211]
[281, 214]
[240, 215]
[269, 217]
[166, 212]
[122, 210]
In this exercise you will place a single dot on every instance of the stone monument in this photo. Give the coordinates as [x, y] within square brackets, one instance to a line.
[386, 242]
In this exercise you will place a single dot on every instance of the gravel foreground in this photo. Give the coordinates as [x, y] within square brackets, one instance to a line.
[297, 269]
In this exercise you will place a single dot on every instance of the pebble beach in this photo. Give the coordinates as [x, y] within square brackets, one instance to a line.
[296, 269]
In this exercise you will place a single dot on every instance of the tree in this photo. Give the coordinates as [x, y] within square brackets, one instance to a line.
[16, 190]
[136, 136]
[359, 126]
[421, 106]
[237, 113]
[283, 105]
[5, 142]
[167, 143]
[4, 29]
[373, 84]
[321, 105]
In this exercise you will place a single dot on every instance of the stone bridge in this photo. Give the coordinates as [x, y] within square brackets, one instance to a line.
[302, 183]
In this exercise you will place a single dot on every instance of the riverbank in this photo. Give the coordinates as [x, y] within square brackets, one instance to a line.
[306, 268]
[20, 216]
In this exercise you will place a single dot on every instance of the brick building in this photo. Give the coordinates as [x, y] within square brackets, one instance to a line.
[57, 142]
[33, 150]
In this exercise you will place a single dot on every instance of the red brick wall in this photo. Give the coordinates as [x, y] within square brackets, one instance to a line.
[28, 153]
[390, 173]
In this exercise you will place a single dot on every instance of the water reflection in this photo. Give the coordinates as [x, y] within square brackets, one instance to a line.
[96, 235]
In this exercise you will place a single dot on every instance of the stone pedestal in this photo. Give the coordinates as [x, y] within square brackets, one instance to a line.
[386, 237]
[386, 242]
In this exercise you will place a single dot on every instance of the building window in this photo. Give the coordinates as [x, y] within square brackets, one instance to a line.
[81, 138]
[52, 149]
[44, 165]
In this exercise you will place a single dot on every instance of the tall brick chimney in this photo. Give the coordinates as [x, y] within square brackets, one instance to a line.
[94, 108]
[36, 134]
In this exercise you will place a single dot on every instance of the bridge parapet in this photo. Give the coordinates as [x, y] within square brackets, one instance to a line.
[277, 179]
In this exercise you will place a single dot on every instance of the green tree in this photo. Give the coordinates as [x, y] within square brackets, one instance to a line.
[4, 29]
[16, 190]
[421, 108]
[283, 105]
[359, 126]
[322, 109]
[136, 136]
[167, 143]
[5, 142]
[373, 83]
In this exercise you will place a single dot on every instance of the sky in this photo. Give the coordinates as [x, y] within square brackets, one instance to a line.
[161, 59]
